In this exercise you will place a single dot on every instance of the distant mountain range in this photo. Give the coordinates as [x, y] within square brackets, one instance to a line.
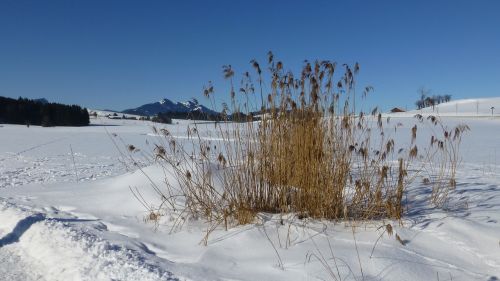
[166, 105]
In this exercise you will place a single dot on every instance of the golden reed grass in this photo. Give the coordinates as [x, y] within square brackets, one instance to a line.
[304, 151]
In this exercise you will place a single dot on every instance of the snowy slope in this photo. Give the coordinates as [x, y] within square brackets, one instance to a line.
[463, 107]
[54, 226]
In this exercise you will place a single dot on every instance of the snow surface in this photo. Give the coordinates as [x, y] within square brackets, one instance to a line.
[67, 213]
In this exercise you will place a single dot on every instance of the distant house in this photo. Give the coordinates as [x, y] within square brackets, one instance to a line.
[397, 109]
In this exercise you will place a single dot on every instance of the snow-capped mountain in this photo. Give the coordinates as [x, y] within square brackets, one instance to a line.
[166, 105]
[41, 100]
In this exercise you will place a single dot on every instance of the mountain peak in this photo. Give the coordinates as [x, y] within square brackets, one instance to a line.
[166, 105]
[191, 102]
[165, 101]
[41, 100]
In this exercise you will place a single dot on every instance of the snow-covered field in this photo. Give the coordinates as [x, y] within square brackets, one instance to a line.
[67, 213]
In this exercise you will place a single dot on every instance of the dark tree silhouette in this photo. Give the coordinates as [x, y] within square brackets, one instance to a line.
[426, 100]
[30, 112]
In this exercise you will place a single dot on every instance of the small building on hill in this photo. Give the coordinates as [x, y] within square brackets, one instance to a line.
[397, 109]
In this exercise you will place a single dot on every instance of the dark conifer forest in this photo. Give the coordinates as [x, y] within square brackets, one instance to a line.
[30, 112]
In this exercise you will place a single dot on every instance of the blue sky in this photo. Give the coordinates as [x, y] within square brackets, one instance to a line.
[122, 54]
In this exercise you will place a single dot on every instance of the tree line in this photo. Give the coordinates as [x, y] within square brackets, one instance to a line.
[29, 112]
[426, 100]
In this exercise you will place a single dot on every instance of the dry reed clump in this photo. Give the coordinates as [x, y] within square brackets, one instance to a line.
[443, 158]
[306, 151]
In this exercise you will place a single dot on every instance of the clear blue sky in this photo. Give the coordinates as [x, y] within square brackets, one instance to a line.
[122, 54]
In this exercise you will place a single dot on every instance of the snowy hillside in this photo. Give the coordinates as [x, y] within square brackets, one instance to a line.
[166, 105]
[67, 213]
[464, 107]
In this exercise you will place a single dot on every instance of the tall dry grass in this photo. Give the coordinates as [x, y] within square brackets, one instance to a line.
[443, 157]
[304, 151]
